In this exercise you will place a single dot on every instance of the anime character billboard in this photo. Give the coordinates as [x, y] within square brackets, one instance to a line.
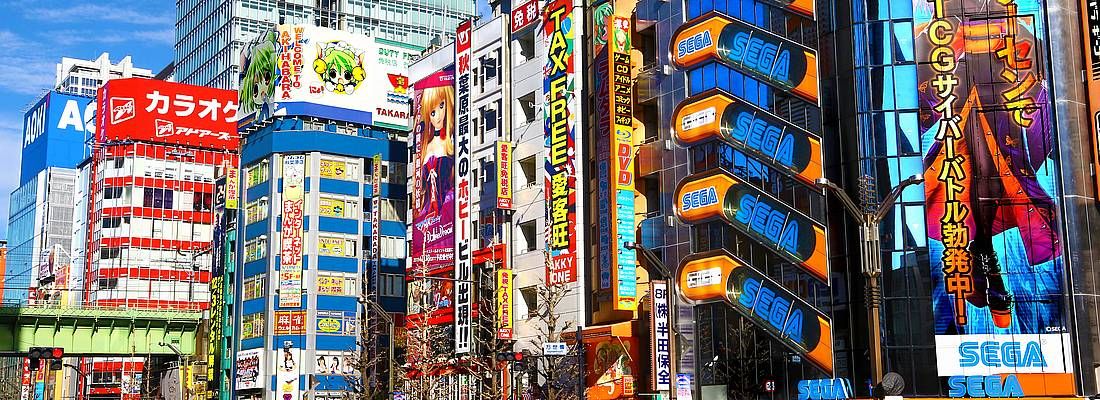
[433, 195]
[995, 249]
[308, 70]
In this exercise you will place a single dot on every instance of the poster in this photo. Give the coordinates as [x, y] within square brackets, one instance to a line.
[250, 369]
[995, 250]
[336, 323]
[334, 169]
[335, 246]
[290, 322]
[624, 262]
[563, 161]
[290, 253]
[287, 370]
[608, 361]
[331, 363]
[433, 208]
[330, 207]
[332, 285]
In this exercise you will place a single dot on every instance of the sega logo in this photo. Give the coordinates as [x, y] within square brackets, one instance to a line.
[824, 389]
[763, 302]
[766, 220]
[761, 56]
[985, 386]
[767, 138]
[699, 198]
[694, 43]
[997, 354]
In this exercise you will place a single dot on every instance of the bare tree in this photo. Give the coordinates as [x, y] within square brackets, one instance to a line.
[369, 366]
[560, 375]
[426, 346]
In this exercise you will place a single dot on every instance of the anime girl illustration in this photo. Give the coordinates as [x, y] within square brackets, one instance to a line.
[437, 150]
[339, 66]
[257, 75]
[1015, 268]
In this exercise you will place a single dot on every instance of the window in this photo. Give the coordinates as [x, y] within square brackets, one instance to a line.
[393, 247]
[109, 253]
[489, 115]
[112, 193]
[526, 107]
[337, 207]
[256, 210]
[115, 222]
[257, 173]
[252, 326]
[158, 198]
[203, 201]
[391, 285]
[336, 246]
[255, 249]
[527, 235]
[393, 210]
[530, 296]
[527, 168]
[254, 287]
[330, 284]
[525, 47]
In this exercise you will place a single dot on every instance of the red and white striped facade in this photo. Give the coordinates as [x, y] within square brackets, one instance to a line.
[150, 224]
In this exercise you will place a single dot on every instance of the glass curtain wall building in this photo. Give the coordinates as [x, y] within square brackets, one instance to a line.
[211, 34]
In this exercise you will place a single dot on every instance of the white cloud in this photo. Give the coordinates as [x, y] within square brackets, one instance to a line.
[24, 70]
[98, 12]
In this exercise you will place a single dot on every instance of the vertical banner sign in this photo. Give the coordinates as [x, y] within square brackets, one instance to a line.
[290, 243]
[622, 163]
[376, 213]
[660, 334]
[433, 195]
[562, 161]
[232, 188]
[601, 16]
[504, 181]
[1090, 28]
[463, 253]
[504, 303]
[287, 373]
[525, 15]
[994, 245]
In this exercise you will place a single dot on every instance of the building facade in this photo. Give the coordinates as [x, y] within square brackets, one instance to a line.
[82, 77]
[211, 36]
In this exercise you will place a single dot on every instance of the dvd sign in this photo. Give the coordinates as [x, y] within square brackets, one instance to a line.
[165, 112]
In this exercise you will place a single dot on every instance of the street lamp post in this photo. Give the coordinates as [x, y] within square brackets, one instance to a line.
[179, 366]
[673, 299]
[871, 255]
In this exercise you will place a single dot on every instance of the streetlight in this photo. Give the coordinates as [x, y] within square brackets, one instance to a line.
[673, 298]
[179, 366]
[871, 254]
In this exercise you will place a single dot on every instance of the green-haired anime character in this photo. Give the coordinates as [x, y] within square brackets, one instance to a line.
[599, 22]
[258, 74]
[339, 66]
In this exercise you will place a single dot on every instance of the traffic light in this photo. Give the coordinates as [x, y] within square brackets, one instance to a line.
[510, 356]
[54, 354]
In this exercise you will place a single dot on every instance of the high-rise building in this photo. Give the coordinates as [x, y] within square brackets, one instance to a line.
[82, 77]
[211, 35]
[322, 247]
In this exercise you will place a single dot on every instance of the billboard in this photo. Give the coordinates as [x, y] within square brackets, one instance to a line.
[563, 161]
[718, 275]
[54, 133]
[660, 333]
[433, 194]
[287, 367]
[748, 128]
[504, 175]
[504, 290]
[995, 250]
[464, 267]
[308, 70]
[250, 369]
[232, 187]
[772, 59]
[336, 323]
[775, 225]
[601, 16]
[524, 15]
[290, 322]
[158, 111]
[624, 263]
[290, 239]
[1090, 28]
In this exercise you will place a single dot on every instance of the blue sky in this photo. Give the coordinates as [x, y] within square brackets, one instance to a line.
[36, 34]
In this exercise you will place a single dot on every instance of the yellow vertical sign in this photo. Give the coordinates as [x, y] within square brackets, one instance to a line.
[623, 260]
[504, 304]
[232, 186]
[504, 175]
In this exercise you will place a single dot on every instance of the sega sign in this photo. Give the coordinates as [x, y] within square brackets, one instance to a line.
[54, 133]
[165, 112]
[977, 354]
[824, 389]
[979, 386]
[701, 198]
[693, 44]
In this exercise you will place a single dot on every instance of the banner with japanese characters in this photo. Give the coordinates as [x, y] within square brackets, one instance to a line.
[433, 193]
[232, 187]
[504, 175]
[991, 198]
[561, 132]
[290, 322]
[321, 72]
[504, 299]
[287, 373]
[621, 177]
[660, 334]
[464, 267]
[290, 243]
[250, 369]
[167, 112]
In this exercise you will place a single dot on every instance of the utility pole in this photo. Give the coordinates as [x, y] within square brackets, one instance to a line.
[659, 269]
[870, 248]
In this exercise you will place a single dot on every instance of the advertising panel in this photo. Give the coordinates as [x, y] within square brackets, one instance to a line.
[331, 363]
[774, 224]
[504, 303]
[336, 246]
[660, 333]
[759, 133]
[336, 323]
[525, 15]
[601, 70]
[330, 207]
[290, 322]
[332, 285]
[334, 169]
[995, 250]
[287, 376]
[376, 211]
[624, 263]
[609, 360]
[432, 208]
[290, 243]
[308, 70]
[563, 161]
[55, 132]
[250, 369]
[504, 175]
[464, 267]
[166, 112]
[720, 276]
[774, 60]
[232, 188]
